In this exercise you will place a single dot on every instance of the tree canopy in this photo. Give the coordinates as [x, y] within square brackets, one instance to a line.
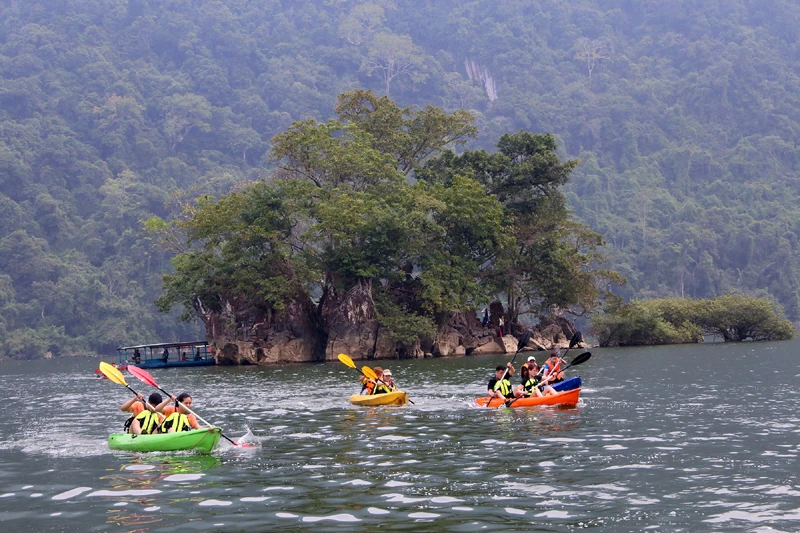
[339, 213]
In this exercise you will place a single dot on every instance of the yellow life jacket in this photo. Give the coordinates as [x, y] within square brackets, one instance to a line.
[179, 420]
[531, 383]
[381, 388]
[504, 386]
[148, 420]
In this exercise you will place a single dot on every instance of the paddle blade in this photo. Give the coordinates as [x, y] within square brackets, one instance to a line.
[582, 358]
[524, 341]
[142, 375]
[367, 371]
[347, 360]
[576, 339]
[113, 374]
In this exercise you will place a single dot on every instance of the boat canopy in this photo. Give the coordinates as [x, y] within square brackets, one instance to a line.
[190, 353]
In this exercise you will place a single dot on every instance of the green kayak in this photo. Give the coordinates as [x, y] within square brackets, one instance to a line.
[199, 440]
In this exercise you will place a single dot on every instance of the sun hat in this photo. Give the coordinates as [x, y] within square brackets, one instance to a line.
[387, 372]
[531, 358]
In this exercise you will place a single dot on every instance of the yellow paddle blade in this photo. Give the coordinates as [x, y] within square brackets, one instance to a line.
[346, 360]
[367, 371]
[112, 373]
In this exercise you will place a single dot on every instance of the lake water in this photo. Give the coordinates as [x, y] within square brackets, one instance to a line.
[675, 438]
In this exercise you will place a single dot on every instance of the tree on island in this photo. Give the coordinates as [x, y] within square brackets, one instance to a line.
[369, 223]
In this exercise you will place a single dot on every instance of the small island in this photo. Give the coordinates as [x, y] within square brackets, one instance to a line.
[732, 318]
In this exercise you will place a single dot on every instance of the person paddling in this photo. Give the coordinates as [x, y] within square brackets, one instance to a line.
[551, 370]
[145, 418]
[500, 386]
[367, 384]
[388, 380]
[178, 416]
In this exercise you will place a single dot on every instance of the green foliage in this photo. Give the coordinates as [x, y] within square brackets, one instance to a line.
[405, 328]
[733, 317]
[340, 211]
[685, 123]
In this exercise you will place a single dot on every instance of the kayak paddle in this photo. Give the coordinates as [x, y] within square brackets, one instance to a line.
[582, 358]
[144, 376]
[116, 376]
[520, 345]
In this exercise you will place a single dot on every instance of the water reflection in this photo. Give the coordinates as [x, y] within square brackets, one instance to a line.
[147, 483]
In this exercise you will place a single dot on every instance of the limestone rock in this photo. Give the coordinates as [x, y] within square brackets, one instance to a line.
[493, 347]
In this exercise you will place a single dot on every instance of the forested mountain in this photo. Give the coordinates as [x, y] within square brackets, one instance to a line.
[685, 115]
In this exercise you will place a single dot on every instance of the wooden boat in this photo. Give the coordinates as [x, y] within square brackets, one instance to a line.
[389, 398]
[198, 440]
[567, 398]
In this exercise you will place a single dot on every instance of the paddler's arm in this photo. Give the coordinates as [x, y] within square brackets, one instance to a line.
[125, 407]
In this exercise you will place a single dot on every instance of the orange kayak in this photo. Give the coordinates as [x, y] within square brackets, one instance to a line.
[567, 398]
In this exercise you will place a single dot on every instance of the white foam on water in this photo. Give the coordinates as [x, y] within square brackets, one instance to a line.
[489, 441]
[386, 428]
[719, 491]
[400, 498]
[214, 503]
[286, 515]
[605, 496]
[562, 439]
[606, 486]
[547, 463]
[55, 514]
[410, 462]
[151, 508]
[275, 428]
[37, 495]
[461, 508]
[532, 489]
[120, 504]
[26, 487]
[397, 484]
[254, 498]
[138, 468]
[423, 516]
[342, 517]
[376, 511]
[183, 477]
[306, 435]
[357, 482]
[753, 517]
[139, 492]
[70, 493]
[783, 490]
[313, 467]
[553, 514]
[395, 438]
[513, 510]
[445, 499]
[615, 447]
[279, 488]
[642, 501]
[628, 467]
[8, 494]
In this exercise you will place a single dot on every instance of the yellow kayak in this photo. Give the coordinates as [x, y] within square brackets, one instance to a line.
[389, 398]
